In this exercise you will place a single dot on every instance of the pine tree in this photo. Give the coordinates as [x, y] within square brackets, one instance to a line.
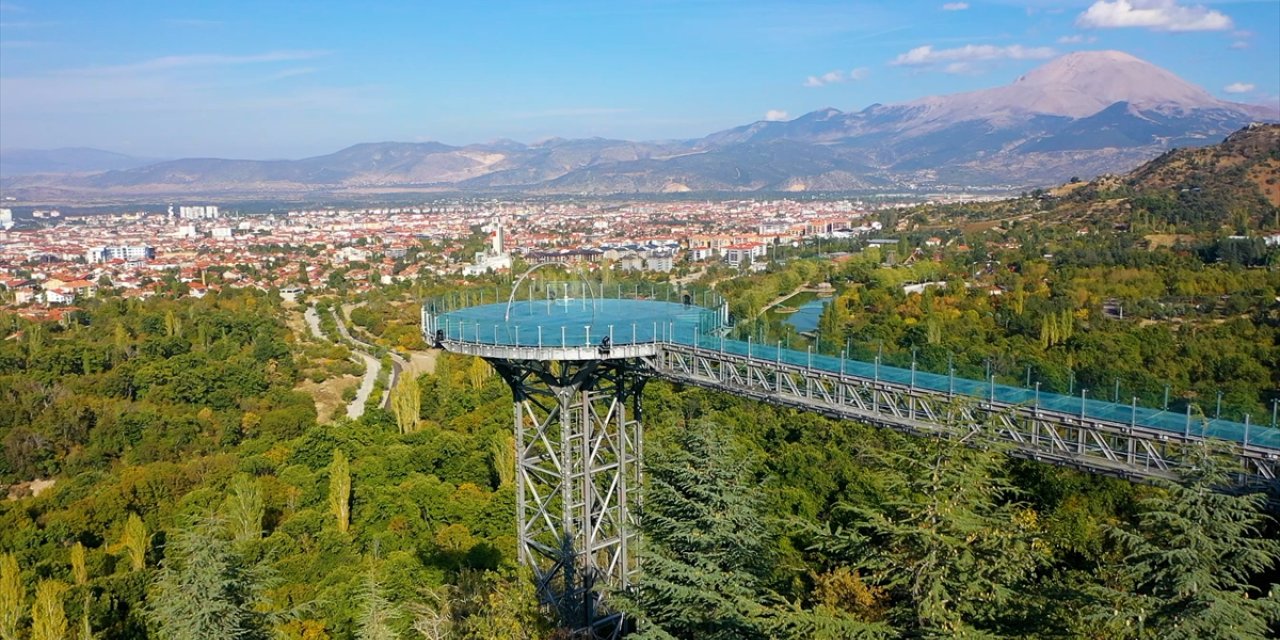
[204, 590]
[406, 403]
[340, 490]
[1189, 561]
[48, 618]
[373, 622]
[948, 544]
[243, 508]
[13, 597]
[704, 548]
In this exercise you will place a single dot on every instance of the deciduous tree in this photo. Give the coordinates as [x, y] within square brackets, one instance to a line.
[243, 508]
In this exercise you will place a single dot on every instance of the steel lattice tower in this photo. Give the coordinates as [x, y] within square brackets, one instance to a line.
[578, 438]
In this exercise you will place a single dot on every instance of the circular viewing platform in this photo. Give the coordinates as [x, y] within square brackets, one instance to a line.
[571, 321]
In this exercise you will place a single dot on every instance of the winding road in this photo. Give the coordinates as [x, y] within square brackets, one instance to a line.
[398, 364]
[371, 364]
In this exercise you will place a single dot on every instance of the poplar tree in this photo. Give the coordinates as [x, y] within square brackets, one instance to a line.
[502, 455]
[406, 403]
[478, 372]
[13, 597]
[340, 490]
[48, 618]
[243, 508]
[704, 549]
[135, 542]
[78, 569]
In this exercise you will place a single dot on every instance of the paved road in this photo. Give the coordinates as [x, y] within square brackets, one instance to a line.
[313, 321]
[398, 364]
[371, 364]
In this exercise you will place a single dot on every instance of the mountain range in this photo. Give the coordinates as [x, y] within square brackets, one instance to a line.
[1081, 114]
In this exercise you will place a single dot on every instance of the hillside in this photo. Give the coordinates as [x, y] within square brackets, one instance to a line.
[1247, 160]
[1229, 188]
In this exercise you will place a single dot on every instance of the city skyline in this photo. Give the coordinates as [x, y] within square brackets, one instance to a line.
[283, 81]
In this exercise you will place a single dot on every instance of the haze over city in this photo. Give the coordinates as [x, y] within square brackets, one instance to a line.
[285, 80]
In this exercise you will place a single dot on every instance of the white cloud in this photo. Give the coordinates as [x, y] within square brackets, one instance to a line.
[955, 6]
[1076, 39]
[1157, 15]
[167, 63]
[927, 55]
[1239, 87]
[837, 77]
[1240, 44]
[775, 115]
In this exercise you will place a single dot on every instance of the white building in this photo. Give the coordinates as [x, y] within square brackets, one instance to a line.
[198, 212]
[737, 254]
[6, 219]
[662, 261]
[131, 254]
[495, 258]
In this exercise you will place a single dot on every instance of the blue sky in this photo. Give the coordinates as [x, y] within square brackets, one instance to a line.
[262, 79]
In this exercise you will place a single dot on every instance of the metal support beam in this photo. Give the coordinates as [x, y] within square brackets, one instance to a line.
[578, 447]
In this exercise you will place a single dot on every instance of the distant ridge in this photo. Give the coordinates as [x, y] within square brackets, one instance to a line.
[15, 162]
[1082, 114]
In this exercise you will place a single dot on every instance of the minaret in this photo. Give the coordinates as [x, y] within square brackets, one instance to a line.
[499, 237]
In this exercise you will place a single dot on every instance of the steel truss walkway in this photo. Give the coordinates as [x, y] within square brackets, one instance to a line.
[1085, 439]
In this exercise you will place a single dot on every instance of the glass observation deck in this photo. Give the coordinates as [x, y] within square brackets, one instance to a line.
[559, 315]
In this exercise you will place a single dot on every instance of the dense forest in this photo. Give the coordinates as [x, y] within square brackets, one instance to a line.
[185, 462]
